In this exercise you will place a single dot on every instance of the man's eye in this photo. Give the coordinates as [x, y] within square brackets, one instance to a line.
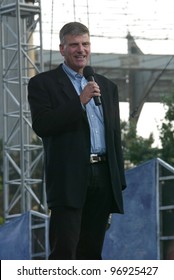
[86, 44]
[74, 45]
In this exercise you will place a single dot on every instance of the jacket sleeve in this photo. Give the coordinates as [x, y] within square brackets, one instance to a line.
[51, 110]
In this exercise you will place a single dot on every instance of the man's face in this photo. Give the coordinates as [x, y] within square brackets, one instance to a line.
[76, 51]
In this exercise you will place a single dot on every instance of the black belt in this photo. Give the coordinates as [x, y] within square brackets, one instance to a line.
[95, 158]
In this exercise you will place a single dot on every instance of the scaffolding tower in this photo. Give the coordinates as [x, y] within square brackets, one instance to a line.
[21, 58]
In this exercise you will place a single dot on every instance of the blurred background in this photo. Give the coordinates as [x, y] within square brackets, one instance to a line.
[132, 44]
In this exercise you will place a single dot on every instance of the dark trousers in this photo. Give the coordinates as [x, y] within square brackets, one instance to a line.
[78, 234]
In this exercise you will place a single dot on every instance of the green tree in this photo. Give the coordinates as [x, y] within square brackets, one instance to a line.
[136, 148]
[167, 131]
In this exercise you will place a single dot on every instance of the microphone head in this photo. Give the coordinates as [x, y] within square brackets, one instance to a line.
[88, 72]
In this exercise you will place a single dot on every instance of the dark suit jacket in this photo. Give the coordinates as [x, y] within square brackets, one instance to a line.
[59, 119]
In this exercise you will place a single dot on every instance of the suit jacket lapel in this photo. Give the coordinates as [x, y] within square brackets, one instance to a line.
[104, 101]
[62, 79]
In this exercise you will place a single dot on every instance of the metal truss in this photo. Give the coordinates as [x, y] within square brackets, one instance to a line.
[38, 232]
[23, 154]
[165, 209]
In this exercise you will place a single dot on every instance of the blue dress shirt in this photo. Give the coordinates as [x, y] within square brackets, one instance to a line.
[94, 113]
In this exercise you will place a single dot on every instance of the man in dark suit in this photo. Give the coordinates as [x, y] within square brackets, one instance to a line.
[82, 144]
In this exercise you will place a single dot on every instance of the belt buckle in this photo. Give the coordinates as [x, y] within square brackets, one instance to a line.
[92, 160]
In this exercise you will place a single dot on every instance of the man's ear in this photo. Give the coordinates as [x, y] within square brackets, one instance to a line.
[61, 49]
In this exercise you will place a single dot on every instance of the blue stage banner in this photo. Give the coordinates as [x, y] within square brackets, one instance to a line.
[14, 239]
[133, 236]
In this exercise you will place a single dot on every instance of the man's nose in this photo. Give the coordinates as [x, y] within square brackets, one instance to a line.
[80, 47]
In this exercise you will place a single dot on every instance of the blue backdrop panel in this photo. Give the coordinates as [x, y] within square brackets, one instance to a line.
[133, 236]
[14, 239]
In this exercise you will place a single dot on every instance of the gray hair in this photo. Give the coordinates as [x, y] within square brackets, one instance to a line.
[72, 28]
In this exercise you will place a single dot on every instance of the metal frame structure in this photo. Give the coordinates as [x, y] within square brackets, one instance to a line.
[23, 184]
[38, 232]
[165, 209]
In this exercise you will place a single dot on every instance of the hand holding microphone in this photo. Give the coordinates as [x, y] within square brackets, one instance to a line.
[88, 73]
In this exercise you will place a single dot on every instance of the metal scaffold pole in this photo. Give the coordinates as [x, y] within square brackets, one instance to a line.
[21, 57]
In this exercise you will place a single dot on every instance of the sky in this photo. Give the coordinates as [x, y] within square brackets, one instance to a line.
[150, 22]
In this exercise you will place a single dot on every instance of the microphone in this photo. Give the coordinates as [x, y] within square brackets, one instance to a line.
[88, 73]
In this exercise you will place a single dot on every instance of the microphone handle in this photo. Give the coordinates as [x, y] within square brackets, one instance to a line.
[97, 99]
